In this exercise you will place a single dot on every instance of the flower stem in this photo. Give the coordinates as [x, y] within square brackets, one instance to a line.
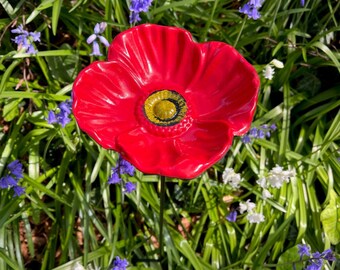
[161, 216]
[240, 32]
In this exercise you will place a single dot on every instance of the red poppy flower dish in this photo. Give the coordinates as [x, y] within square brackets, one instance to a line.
[168, 105]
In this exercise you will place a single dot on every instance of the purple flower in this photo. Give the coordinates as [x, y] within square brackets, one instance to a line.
[140, 5]
[232, 216]
[18, 191]
[264, 131]
[260, 134]
[31, 50]
[120, 264]
[303, 250]
[114, 178]
[95, 49]
[256, 3]
[11, 179]
[253, 132]
[62, 117]
[316, 255]
[26, 39]
[35, 36]
[134, 17]
[328, 255]
[125, 167]
[8, 181]
[136, 7]
[273, 127]
[20, 30]
[129, 187]
[314, 266]
[122, 167]
[65, 106]
[52, 118]
[302, 2]
[99, 28]
[246, 139]
[251, 9]
[15, 168]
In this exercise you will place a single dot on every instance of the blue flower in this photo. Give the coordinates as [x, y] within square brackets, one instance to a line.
[18, 191]
[273, 127]
[328, 255]
[314, 266]
[136, 7]
[20, 30]
[302, 2]
[264, 131]
[120, 264]
[129, 187]
[256, 3]
[260, 134]
[15, 168]
[62, 117]
[303, 250]
[51, 118]
[253, 132]
[11, 179]
[125, 167]
[122, 167]
[99, 28]
[317, 258]
[232, 216]
[26, 39]
[8, 181]
[246, 139]
[251, 9]
[114, 178]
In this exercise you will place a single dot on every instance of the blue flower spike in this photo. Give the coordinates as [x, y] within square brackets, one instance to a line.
[136, 7]
[232, 216]
[26, 39]
[120, 264]
[99, 28]
[15, 173]
[122, 167]
[251, 9]
[63, 116]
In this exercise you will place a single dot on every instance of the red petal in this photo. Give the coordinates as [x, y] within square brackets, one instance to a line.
[225, 88]
[157, 54]
[104, 101]
[184, 157]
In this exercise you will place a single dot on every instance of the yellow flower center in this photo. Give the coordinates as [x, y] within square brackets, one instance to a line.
[165, 108]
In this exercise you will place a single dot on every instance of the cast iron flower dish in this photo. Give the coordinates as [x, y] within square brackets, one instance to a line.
[168, 105]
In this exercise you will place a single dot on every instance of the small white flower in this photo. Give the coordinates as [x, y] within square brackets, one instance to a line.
[255, 217]
[262, 182]
[268, 72]
[231, 178]
[277, 176]
[276, 63]
[266, 194]
[247, 206]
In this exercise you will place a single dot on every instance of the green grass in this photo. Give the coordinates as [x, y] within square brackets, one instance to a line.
[70, 214]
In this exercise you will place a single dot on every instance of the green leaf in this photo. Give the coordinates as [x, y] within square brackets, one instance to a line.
[11, 110]
[64, 68]
[330, 219]
[289, 258]
[55, 15]
[44, 5]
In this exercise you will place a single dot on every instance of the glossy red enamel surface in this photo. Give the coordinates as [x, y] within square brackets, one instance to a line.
[219, 86]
